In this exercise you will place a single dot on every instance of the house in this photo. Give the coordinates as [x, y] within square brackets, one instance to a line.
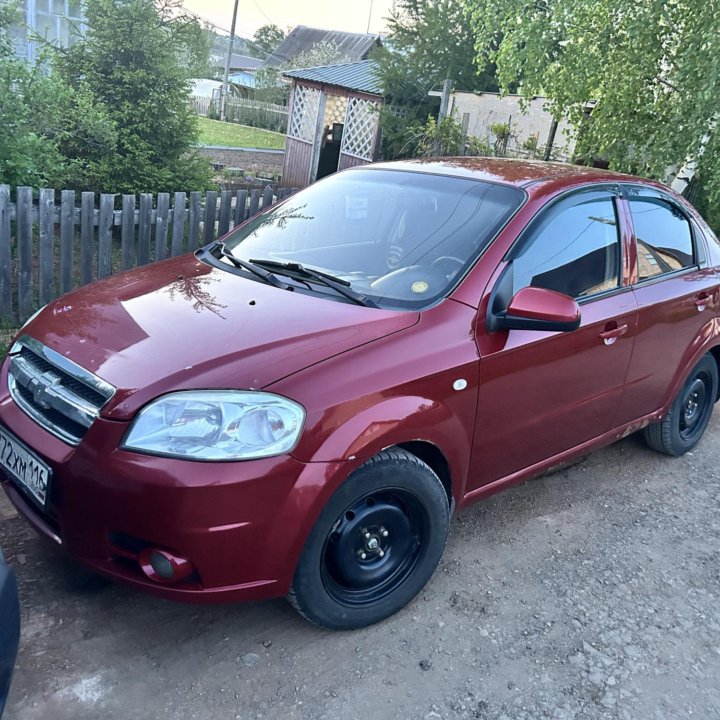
[353, 46]
[334, 121]
[59, 22]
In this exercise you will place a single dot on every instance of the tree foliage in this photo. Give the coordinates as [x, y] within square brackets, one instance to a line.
[428, 41]
[653, 66]
[42, 118]
[135, 61]
[265, 40]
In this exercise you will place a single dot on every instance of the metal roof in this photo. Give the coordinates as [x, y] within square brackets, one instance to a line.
[352, 46]
[361, 76]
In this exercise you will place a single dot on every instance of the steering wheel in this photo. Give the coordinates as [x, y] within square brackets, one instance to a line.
[448, 265]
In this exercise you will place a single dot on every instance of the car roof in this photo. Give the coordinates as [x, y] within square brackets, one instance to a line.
[508, 171]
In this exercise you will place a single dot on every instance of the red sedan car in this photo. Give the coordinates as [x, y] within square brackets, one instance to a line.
[299, 408]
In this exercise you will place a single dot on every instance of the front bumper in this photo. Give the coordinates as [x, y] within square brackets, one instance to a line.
[242, 525]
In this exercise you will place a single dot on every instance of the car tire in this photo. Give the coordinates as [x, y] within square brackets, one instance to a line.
[684, 425]
[375, 544]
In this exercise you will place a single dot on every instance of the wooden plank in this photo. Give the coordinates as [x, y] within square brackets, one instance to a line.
[225, 208]
[144, 228]
[107, 208]
[161, 225]
[87, 213]
[194, 217]
[67, 239]
[240, 207]
[127, 233]
[5, 277]
[254, 202]
[210, 213]
[178, 232]
[23, 231]
[46, 212]
[267, 197]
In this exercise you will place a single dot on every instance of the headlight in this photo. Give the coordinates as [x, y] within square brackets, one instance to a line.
[217, 425]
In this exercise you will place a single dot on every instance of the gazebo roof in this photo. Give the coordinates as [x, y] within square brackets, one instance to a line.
[360, 76]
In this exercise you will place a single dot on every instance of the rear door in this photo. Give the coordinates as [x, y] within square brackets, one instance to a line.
[677, 296]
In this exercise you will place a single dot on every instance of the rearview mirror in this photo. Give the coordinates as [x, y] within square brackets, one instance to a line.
[535, 308]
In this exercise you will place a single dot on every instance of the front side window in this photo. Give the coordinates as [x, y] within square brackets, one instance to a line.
[664, 238]
[575, 250]
[401, 239]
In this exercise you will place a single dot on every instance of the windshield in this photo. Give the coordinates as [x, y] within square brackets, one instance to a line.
[400, 239]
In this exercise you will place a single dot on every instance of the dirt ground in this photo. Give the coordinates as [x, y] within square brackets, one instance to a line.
[589, 593]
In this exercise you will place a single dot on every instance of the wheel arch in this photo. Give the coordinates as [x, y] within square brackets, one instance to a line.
[435, 459]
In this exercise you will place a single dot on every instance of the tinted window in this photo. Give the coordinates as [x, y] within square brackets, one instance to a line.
[664, 240]
[401, 238]
[575, 251]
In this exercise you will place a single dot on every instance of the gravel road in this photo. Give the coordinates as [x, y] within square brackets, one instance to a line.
[589, 593]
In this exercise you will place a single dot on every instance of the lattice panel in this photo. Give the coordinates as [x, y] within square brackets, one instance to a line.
[335, 110]
[361, 121]
[306, 104]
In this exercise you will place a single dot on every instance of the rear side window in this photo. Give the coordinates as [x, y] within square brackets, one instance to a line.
[575, 250]
[664, 238]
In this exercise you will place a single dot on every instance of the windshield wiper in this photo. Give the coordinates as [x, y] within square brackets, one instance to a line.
[295, 269]
[253, 268]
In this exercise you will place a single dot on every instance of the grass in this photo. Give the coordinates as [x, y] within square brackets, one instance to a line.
[214, 132]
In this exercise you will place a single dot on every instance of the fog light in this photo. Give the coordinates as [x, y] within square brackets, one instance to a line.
[163, 566]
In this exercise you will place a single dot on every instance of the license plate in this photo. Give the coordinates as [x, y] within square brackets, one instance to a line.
[24, 466]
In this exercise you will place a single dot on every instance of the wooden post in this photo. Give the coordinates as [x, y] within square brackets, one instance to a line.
[550, 140]
[194, 217]
[144, 228]
[445, 99]
[127, 234]
[67, 239]
[23, 231]
[161, 225]
[178, 233]
[87, 212]
[225, 207]
[105, 224]
[5, 278]
[210, 215]
[45, 250]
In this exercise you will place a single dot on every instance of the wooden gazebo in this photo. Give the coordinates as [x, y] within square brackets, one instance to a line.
[333, 121]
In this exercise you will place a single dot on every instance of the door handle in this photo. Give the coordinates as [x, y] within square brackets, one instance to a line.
[610, 335]
[702, 301]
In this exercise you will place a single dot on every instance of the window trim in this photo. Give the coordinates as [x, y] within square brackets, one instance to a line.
[570, 198]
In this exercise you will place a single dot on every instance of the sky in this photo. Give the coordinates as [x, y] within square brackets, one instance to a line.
[347, 15]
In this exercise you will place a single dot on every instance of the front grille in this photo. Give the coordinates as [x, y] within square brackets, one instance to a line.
[58, 394]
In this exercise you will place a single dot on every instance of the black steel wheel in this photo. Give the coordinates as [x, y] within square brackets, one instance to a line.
[684, 425]
[375, 545]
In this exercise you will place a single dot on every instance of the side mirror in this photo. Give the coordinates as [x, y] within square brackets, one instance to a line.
[535, 308]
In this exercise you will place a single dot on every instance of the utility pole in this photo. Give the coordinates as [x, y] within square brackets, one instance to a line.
[445, 99]
[369, 17]
[223, 90]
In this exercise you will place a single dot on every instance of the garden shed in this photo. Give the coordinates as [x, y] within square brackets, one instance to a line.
[333, 120]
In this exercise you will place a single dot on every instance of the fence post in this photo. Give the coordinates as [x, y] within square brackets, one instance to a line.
[105, 224]
[67, 239]
[87, 212]
[210, 214]
[127, 238]
[225, 207]
[194, 216]
[144, 228]
[254, 202]
[5, 278]
[240, 203]
[24, 236]
[178, 233]
[161, 225]
[45, 251]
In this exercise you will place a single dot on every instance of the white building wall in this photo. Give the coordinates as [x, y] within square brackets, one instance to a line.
[486, 109]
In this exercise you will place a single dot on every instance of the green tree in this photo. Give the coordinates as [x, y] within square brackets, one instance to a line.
[653, 68]
[42, 117]
[428, 42]
[265, 40]
[135, 62]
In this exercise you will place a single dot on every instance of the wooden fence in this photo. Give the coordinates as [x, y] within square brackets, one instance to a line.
[48, 248]
[246, 111]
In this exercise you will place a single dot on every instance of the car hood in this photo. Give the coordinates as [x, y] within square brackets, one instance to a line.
[181, 324]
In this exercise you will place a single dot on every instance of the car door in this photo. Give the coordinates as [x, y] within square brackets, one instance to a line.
[677, 296]
[542, 393]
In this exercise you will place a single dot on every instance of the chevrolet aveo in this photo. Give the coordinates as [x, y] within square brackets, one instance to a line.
[299, 408]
